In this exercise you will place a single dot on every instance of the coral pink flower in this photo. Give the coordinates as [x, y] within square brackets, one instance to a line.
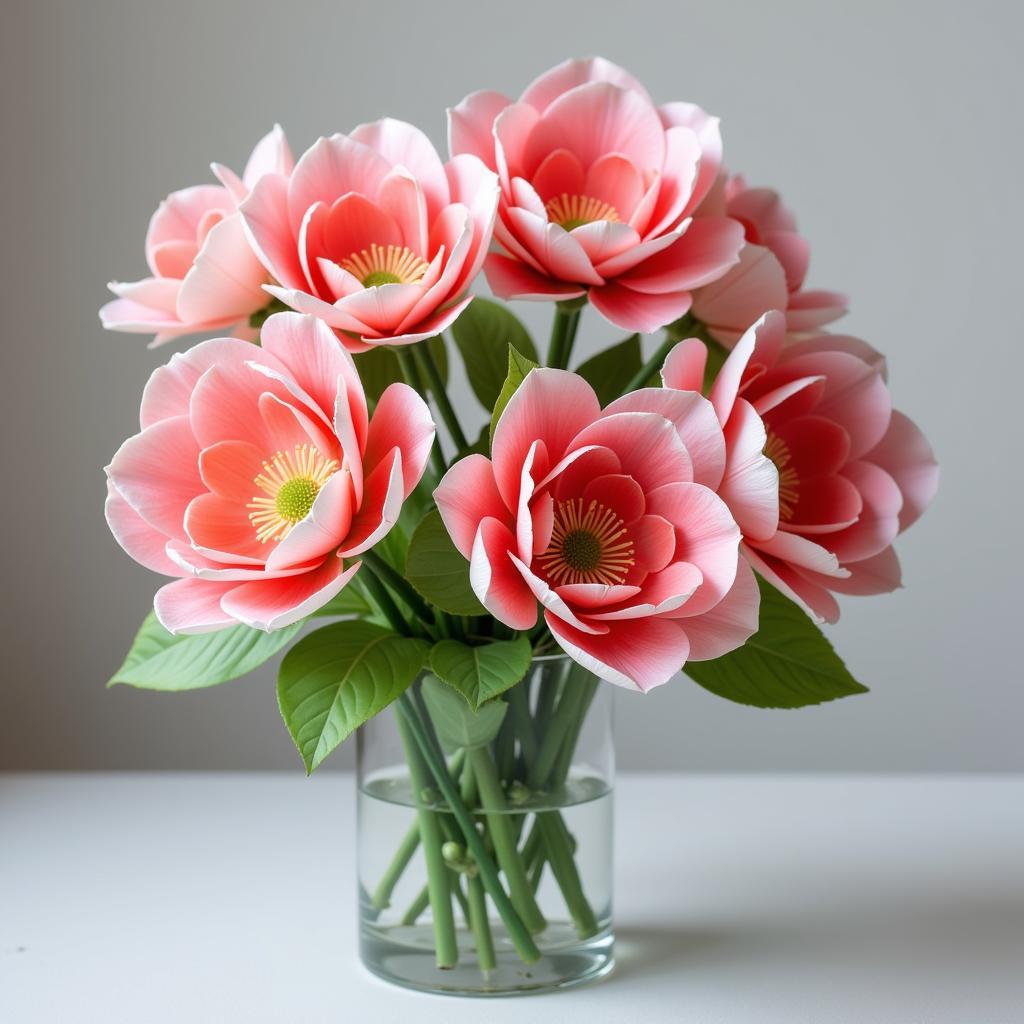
[852, 473]
[609, 520]
[598, 188]
[373, 234]
[771, 269]
[256, 471]
[205, 275]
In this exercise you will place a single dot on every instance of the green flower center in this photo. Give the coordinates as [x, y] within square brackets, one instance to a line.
[290, 482]
[575, 211]
[385, 264]
[296, 498]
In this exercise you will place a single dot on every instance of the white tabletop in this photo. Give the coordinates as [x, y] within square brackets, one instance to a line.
[740, 900]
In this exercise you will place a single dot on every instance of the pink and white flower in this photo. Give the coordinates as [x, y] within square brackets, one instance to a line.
[598, 191]
[609, 519]
[771, 271]
[257, 471]
[205, 276]
[852, 472]
[373, 234]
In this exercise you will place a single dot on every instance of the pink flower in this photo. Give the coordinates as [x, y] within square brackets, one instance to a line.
[609, 520]
[852, 473]
[257, 471]
[205, 275]
[373, 234]
[771, 269]
[598, 188]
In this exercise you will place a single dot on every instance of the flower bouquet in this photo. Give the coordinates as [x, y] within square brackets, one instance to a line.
[697, 509]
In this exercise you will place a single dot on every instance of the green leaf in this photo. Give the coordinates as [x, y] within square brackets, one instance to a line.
[484, 672]
[438, 571]
[518, 367]
[787, 663]
[158, 660]
[339, 677]
[484, 332]
[609, 370]
[350, 601]
[457, 725]
[378, 368]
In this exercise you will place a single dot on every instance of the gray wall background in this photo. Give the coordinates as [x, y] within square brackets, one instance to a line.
[893, 129]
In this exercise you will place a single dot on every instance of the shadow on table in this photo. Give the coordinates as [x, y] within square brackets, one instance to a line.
[924, 932]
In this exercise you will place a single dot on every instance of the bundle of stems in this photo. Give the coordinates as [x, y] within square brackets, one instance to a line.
[472, 808]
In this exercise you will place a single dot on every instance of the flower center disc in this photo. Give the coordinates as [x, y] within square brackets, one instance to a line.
[789, 481]
[588, 545]
[390, 264]
[575, 211]
[290, 482]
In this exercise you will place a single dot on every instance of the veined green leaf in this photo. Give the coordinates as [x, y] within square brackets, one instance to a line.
[438, 571]
[484, 332]
[787, 663]
[484, 672]
[158, 660]
[457, 724]
[339, 677]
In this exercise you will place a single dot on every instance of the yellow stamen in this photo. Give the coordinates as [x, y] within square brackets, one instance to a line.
[574, 211]
[291, 481]
[391, 264]
[587, 546]
[789, 480]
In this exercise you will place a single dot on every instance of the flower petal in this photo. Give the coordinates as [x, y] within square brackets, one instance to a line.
[633, 311]
[552, 406]
[730, 623]
[466, 495]
[638, 654]
[383, 493]
[494, 579]
[140, 540]
[192, 605]
[276, 603]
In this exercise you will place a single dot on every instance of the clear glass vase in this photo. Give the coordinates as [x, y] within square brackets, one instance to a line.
[485, 839]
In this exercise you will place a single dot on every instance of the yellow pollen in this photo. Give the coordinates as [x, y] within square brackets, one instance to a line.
[291, 481]
[391, 264]
[789, 480]
[575, 211]
[588, 545]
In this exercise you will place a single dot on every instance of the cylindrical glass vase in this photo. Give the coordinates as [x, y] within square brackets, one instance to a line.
[485, 838]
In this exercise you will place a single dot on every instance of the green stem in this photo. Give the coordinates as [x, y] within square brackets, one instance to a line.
[478, 920]
[560, 726]
[558, 847]
[651, 367]
[418, 905]
[399, 584]
[588, 688]
[437, 871]
[499, 823]
[407, 364]
[385, 602]
[425, 361]
[381, 897]
[563, 335]
[480, 926]
[519, 701]
[517, 932]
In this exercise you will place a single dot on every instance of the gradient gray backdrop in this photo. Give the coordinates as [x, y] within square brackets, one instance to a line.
[893, 129]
